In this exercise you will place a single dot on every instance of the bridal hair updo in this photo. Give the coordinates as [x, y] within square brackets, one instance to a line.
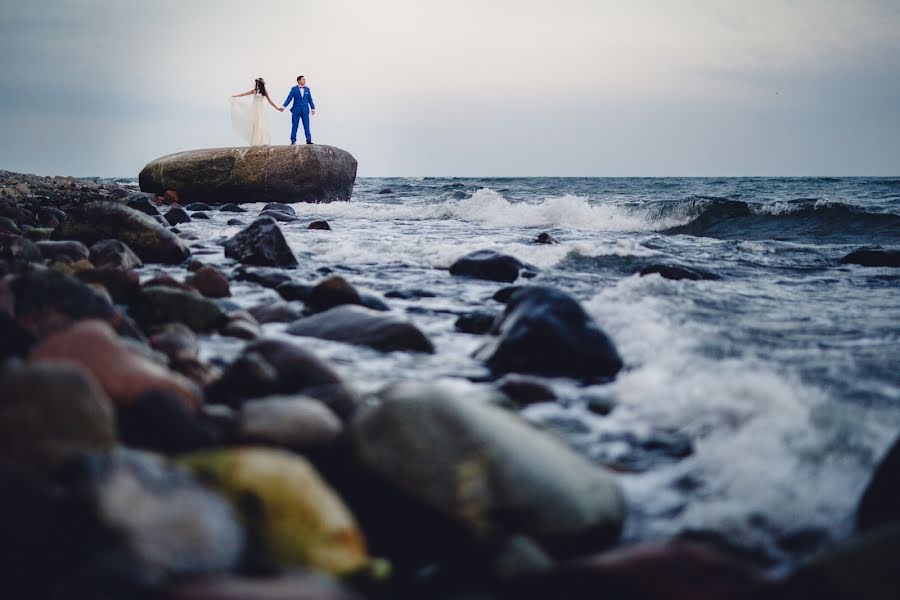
[260, 86]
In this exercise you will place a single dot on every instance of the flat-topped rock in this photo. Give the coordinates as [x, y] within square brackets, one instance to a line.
[301, 173]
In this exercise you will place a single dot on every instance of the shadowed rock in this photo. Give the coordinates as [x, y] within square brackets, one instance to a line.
[488, 264]
[261, 244]
[873, 258]
[364, 327]
[303, 173]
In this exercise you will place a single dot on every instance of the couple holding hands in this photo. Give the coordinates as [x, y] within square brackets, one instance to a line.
[250, 121]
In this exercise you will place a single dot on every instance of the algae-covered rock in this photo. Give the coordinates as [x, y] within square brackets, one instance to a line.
[296, 516]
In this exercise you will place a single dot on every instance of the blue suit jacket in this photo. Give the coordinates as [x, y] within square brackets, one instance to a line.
[302, 104]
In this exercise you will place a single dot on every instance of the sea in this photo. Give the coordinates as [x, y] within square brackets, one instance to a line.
[753, 407]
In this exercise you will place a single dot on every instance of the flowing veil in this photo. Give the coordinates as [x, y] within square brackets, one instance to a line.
[250, 121]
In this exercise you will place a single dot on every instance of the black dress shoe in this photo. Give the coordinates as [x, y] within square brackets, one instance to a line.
[309, 141]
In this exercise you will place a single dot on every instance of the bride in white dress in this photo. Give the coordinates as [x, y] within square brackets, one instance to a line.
[250, 120]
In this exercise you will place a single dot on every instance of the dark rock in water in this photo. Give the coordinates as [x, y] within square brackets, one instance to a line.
[97, 221]
[141, 203]
[161, 220]
[270, 278]
[278, 216]
[114, 253]
[331, 292]
[545, 238]
[235, 222]
[19, 249]
[230, 207]
[676, 273]
[414, 294]
[363, 327]
[294, 290]
[525, 390]
[645, 451]
[209, 282]
[161, 513]
[198, 206]
[199, 215]
[73, 251]
[301, 173]
[321, 225]
[275, 312]
[159, 305]
[488, 264]
[545, 331]
[161, 422]
[167, 281]
[504, 294]
[270, 367]
[51, 412]
[880, 503]
[241, 324]
[286, 209]
[478, 322]
[123, 285]
[177, 215]
[488, 471]
[374, 302]
[50, 217]
[295, 422]
[7, 225]
[262, 244]
[873, 258]
[385, 191]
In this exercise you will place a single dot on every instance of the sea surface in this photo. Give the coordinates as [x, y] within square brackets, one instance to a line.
[753, 408]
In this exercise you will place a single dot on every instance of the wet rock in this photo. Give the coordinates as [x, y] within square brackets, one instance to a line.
[675, 272]
[275, 312]
[331, 292]
[73, 251]
[141, 203]
[304, 173]
[637, 453]
[545, 238]
[880, 503]
[413, 294]
[124, 374]
[176, 341]
[161, 220]
[504, 294]
[485, 469]
[49, 216]
[488, 264]
[599, 404]
[199, 215]
[873, 258]
[51, 412]
[546, 332]
[161, 422]
[209, 282]
[235, 222]
[286, 209]
[19, 249]
[177, 215]
[320, 225]
[278, 216]
[363, 327]
[230, 207]
[241, 324]
[159, 305]
[525, 390]
[374, 302]
[270, 278]
[294, 290]
[385, 191]
[160, 513]
[171, 197]
[293, 586]
[97, 221]
[168, 281]
[297, 518]
[198, 206]
[477, 322]
[114, 253]
[123, 285]
[261, 244]
[7, 225]
[296, 422]
[271, 367]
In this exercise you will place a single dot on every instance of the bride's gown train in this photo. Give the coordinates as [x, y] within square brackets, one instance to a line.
[250, 121]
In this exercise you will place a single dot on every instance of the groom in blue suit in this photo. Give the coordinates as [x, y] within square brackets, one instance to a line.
[303, 102]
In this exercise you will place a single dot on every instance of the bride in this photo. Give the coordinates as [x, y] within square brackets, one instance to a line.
[250, 120]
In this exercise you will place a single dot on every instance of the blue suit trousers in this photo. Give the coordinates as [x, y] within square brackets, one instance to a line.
[295, 122]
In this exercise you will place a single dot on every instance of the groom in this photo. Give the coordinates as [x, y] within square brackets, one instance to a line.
[303, 102]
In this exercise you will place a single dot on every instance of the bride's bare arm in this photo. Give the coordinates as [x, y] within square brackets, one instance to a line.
[275, 106]
[244, 94]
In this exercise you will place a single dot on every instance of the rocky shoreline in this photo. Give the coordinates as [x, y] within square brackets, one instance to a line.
[132, 467]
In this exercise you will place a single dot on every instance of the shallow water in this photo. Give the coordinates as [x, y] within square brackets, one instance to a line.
[781, 376]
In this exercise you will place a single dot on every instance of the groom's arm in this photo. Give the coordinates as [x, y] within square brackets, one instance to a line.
[312, 104]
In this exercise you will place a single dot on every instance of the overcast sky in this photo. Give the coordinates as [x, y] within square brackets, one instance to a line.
[463, 88]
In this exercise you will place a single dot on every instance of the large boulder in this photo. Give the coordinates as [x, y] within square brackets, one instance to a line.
[97, 221]
[485, 469]
[262, 244]
[546, 331]
[303, 173]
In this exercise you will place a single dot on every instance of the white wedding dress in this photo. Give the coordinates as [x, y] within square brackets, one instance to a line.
[250, 120]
